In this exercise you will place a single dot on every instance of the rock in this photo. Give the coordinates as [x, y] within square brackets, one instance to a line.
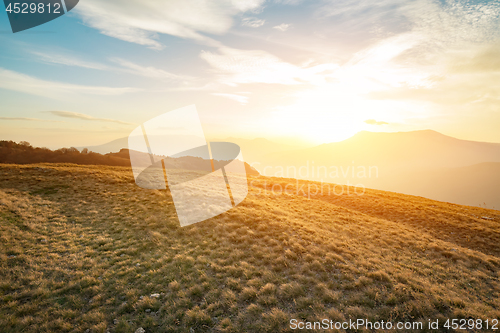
[148, 310]
[155, 295]
[115, 321]
[140, 330]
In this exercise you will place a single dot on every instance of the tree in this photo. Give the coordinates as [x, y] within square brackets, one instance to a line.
[25, 144]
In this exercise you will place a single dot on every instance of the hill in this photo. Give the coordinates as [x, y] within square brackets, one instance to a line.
[83, 249]
[391, 151]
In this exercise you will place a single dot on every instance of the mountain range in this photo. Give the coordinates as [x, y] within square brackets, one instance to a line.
[425, 163]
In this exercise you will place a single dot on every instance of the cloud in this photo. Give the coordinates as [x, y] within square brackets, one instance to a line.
[256, 66]
[445, 55]
[487, 60]
[238, 98]
[458, 90]
[437, 27]
[29, 119]
[124, 66]
[282, 27]
[252, 22]
[140, 21]
[375, 122]
[67, 60]
[76, 115]
[289, 2]
[151, 72]
[11, 80]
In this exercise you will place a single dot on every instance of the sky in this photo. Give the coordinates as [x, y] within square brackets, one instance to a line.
[300, 72]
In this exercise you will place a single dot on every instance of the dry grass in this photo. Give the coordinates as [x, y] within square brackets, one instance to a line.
[85, 249]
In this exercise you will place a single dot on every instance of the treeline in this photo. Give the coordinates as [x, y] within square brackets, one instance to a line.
[24, 153]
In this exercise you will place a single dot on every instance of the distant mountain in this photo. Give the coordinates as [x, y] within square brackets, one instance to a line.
[475, 185]
[253, 150]
[110, 147]
[392, 151]
[183, 141]
[180, 163]
[425, 163]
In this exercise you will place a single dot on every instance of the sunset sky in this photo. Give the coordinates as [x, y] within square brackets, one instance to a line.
[293, 71]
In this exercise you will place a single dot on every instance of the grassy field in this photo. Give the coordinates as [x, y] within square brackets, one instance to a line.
[83, 249]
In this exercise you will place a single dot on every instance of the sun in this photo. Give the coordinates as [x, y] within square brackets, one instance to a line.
[322, 115]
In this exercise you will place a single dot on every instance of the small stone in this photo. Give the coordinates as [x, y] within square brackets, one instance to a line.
[115, 321]
[140, 330]
[155, 295]
[122, 255]
[148, 310]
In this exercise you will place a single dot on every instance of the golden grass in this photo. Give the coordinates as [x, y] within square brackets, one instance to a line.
[83, 249]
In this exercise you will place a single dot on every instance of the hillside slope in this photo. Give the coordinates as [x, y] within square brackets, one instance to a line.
[83, 248]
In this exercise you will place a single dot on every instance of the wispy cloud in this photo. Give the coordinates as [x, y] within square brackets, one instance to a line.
[81, 116]
[68, 60]
[256, 66]
[122, 66]
[140, 22]
[282, 27]
[375, 122]
[252, 22]
[238, 98]
[149, 71]
[30, 119]
[15, 81]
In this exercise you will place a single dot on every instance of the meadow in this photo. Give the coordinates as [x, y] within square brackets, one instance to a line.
[84, 249]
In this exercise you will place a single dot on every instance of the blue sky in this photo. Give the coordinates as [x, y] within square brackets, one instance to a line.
[294, 71]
